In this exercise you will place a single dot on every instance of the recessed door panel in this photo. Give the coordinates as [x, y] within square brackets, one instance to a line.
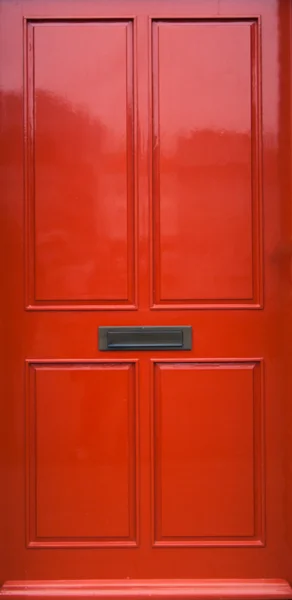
[81, 445]
[80, 179]
[208, 454]
[206, 171]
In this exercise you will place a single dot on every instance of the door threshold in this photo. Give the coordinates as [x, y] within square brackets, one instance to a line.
[156, 589]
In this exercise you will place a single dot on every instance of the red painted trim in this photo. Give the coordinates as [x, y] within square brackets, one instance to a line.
[257, 589]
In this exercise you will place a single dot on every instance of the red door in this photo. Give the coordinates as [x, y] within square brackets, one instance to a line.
[145, 175]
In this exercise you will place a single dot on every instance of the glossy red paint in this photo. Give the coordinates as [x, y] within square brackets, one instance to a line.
[207, 589]
[146, 180]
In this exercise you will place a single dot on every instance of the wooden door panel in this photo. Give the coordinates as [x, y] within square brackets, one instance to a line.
[79, 169]
[206, 140]
[208, 454]
[145, 169]
[81, 445]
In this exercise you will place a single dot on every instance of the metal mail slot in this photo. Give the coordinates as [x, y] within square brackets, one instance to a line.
[145, 338]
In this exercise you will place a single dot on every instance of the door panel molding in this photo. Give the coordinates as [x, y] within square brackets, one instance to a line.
[181, 279]
[58, 496]
[60, 271]
[176, 441]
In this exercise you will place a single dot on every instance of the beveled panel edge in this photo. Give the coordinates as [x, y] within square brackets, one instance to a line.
[79, 307]
[259, 539]
[208, 306]
[30, 302]
[193, 589]
[31, 539]
[257, 301]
